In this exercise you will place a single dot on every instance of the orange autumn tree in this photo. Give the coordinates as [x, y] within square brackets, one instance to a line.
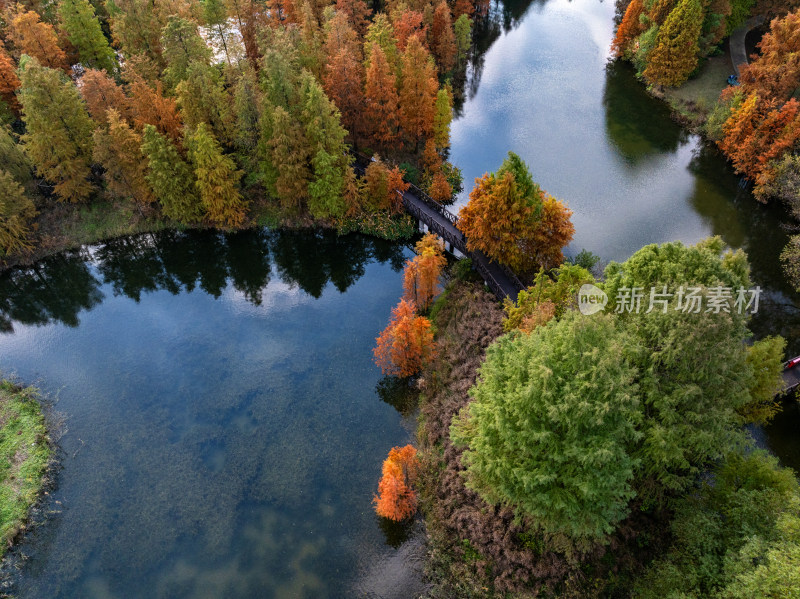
[35, 38]
[421, 274]
[9, 82]
[396, 498]
[149, 106]
[102, 94]
[758, 133]
[406, 345]
[444, 38]
[629, 28]
[343, 85]
[440, 189]
[775, 73]
[382, 115]
[513, 221]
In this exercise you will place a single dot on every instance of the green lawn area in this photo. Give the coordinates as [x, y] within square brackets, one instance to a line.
[695, 98]
[25, 454]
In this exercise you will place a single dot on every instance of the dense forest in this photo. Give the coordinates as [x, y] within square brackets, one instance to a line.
[606, 455]
[756, 121]
[227, 112]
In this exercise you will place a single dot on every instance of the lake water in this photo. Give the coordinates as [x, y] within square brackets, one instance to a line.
[224, 424]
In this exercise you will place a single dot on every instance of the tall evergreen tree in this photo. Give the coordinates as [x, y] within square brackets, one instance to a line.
[216, 179]
[381, 32]
[442, 118]
[79, 21]
[58, 137]
[136, 28]
[463, 33]
[247, 108]
[676, 50]
[329, 156]
[288, 173]
[118, 150]
[13, 158]
[202, 98]
[170, 178]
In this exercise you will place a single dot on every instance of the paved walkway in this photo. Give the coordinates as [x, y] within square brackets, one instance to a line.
[737, 42]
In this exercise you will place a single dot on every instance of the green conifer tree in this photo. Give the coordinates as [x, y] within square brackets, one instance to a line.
[442, 118]
[170, 178]
[216, 179]
[329, 157]
[182, 45]
[118, 150]
[16, 211]
[58, 137]
[202, 98]
[79, 21]
[676, 49]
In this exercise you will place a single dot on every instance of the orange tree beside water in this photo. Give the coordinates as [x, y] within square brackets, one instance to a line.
[396, 498]
[406, 344]
[513, 221]
[421, 274]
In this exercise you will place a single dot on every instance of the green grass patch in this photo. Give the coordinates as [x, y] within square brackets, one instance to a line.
[696, 98]
[25, 454]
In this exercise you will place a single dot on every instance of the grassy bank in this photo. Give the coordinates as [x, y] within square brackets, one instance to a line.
[692, 102]
[67, 226]
[25, 454]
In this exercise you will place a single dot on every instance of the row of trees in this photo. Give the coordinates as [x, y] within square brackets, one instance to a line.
[581, 418]
[665, 39]
[757, 124]
[195, 109]
[403, 349]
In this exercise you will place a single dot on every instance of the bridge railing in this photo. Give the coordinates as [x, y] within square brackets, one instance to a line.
[456, 240]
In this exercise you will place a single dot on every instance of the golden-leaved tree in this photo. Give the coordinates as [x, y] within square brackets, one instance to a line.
[421, 274]
[677, 47]
[513, 221]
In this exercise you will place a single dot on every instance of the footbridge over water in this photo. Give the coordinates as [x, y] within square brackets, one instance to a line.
[439, 220]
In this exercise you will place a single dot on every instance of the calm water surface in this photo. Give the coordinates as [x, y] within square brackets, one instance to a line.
[224, 434]
[224, 424]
